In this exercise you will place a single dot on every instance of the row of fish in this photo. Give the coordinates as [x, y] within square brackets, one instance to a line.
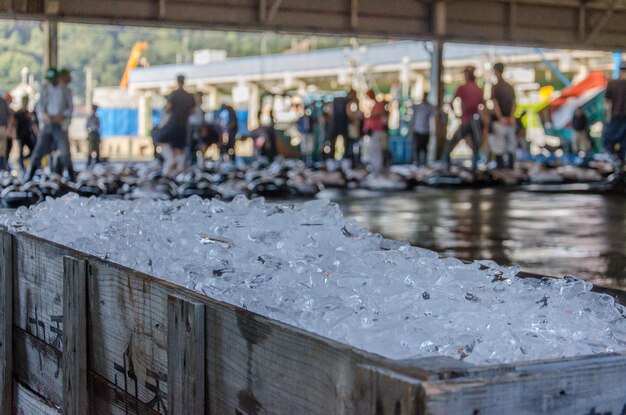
[281, 179]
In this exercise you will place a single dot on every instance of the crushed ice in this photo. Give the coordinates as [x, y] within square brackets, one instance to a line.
[305, 265]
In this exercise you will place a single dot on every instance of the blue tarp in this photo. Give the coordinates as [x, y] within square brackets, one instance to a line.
[117, 121]
[121, 121]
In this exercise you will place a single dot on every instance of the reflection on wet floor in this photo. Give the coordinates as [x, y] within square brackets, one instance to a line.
[550, 234]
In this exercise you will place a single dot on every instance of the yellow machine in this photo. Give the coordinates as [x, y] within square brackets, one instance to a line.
[133, 61]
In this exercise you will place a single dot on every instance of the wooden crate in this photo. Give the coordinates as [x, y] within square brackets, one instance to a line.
[80, 335]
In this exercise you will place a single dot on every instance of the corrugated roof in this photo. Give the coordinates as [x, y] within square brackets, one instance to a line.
[318, 60]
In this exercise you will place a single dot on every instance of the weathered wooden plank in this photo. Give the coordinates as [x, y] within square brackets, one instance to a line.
[592, 385]
[107, 399]
[6, 322]
[128, 333]
[38, 366]
[186, 360]
[28, 403]
[256, 366]
[38, 291]
[379, 391]
[75, 398]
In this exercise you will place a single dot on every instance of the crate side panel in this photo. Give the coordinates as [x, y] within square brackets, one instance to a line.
[38, 285]
[128, 333]
[28, 403]
[39, 366]
[572, 386]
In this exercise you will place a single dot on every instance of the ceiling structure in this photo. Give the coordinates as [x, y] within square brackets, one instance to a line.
[575, 24]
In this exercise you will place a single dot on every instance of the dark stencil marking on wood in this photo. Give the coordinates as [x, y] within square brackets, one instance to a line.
[248, 402]
[398, 409]
[379, 407]
[255, 333]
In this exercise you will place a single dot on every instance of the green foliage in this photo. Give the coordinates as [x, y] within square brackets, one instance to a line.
[106, 48]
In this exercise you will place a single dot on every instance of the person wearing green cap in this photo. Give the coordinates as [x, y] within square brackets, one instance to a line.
[55, 111]
[65, 78]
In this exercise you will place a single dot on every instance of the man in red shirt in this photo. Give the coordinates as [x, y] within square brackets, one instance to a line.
[374, 125]
[472, 99]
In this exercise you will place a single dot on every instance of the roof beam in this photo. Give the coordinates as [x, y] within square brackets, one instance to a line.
[512, 19]
[273, 10]
[582, 22]
[439, 18]
[162, 9]
[354, 13]
[601, 22]
[262, 11]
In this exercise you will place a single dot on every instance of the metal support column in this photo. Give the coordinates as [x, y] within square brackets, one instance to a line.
[254, 101]
[144, 113]
[436, 96]
[51, 50]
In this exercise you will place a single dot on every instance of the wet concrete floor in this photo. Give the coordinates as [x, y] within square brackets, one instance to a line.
[549, 234]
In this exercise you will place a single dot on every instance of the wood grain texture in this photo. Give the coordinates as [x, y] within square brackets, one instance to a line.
[380, 391]
[38, 292]
[38, 366]
[6, 323]
[590, 385]
[28, 403]
[138, 332]
[128, 333]
[75, 399]
[106, 399]
[186, 359]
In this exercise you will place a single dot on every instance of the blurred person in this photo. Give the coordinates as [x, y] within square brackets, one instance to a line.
[471, 96]
[26, 129]
[355, 119]
[374, 125]
[93, 136]
[420, 127]
[306, 124]
[614, 137]
[265, 142]
[338, 122]
[209, 134]
[11, 136]
[5, 118]
[59, 164]
[230, 127]
[504, 141]
[196, 122]
[172, 137]
[580, 125]
[55, 111]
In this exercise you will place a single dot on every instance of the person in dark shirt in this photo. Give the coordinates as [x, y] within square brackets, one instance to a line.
[93, 136]
[230, 127]
[580, 124]
[26, 129]
[471, 96]
[339, 121]
[265, 141]
[173, 136]
[504, 125]
[5, 118]
[614, 137]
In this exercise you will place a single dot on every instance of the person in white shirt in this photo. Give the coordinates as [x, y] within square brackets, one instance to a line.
[420, 127]
[55, 111]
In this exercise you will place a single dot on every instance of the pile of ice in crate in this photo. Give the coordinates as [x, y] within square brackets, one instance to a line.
[306, 265]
